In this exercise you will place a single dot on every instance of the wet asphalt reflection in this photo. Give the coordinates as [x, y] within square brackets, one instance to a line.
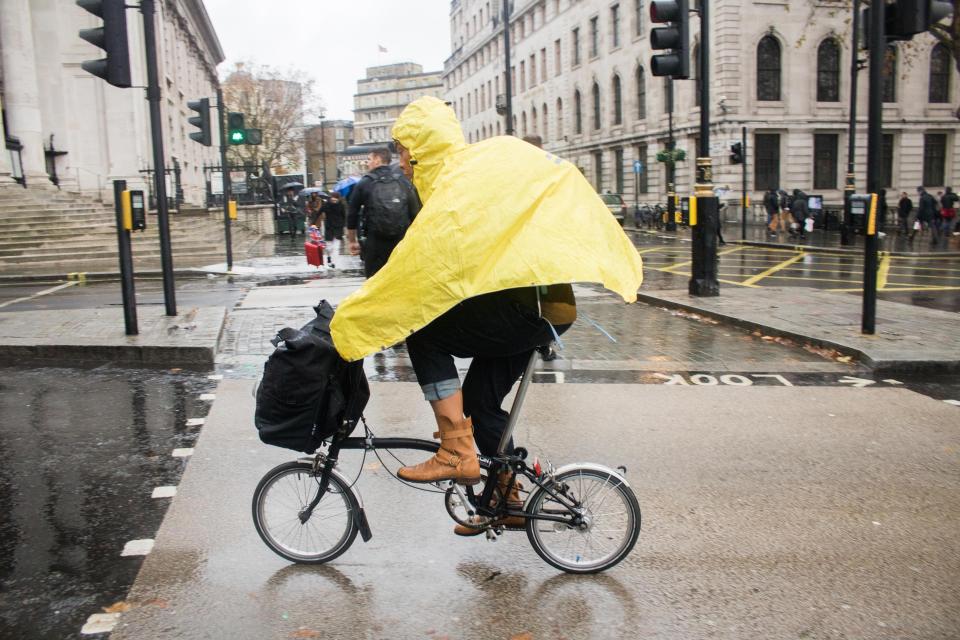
[81, 452]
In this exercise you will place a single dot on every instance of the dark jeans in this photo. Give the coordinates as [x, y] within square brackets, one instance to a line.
[376, 251]
[499, 334]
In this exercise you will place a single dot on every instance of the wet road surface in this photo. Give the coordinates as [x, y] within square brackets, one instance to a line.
[81, 451]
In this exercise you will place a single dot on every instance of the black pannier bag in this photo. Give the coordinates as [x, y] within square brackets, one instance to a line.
[308, 393]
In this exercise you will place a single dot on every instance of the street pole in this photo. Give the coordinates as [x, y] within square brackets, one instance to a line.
[703, 268]
[323, 155]
[743, 183]
[874, 142]
[850, 186]
[159, 170]
[671, 164]
[127, 289]
[507, 80]
[225, 174]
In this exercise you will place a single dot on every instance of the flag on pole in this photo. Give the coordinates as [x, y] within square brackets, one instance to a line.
[382, 48]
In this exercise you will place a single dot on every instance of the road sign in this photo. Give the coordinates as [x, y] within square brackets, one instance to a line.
[637, 166]
[238, 182]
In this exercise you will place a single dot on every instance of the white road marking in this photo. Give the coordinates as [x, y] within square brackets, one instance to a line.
[100, 623]
[195, 422]
[208, 397]
[164, 492]
[892, 381]
[776, 376]
[955, 403]
[138, 547]
[215, 376]
[38, 294]
[182, 453]
[859, 383]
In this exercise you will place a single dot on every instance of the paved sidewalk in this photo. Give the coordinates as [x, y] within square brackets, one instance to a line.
[907, 339]
[188, 339]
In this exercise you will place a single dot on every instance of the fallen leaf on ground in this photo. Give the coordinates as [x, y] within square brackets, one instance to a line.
[305, 633]
[117, 607]
[156, 602]
[526, 635]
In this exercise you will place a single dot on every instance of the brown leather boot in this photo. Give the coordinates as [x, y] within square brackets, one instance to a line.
[456, 460]
[514, 502]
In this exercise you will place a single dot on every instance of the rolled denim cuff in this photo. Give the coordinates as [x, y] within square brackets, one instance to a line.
[439, 390]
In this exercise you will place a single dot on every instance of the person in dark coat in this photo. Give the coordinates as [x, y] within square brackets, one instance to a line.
[334, 217]
[800, 211]
[363, 214]
[948, 210]
[926, 214]
[291, 207]
[904, 208]
[771, 202]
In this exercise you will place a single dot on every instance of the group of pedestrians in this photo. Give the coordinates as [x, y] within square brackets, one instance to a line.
[787, 213]
[938, 215]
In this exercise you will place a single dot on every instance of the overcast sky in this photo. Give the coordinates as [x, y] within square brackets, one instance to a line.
[333, 41]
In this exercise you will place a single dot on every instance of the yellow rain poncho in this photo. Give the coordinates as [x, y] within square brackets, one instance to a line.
[496, 215]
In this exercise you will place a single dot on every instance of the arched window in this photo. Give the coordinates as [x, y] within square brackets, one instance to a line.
[534, 129]
[617, 101]
[768, 69]
[546, 123]
[641, 94]
[939, 74]
[577, 113]
[890, 74]
[523, 123]
[596, 106]
[559, 119]
[696, 74]
[828, 71]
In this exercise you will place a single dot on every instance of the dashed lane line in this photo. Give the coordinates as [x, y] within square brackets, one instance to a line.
[45, 292]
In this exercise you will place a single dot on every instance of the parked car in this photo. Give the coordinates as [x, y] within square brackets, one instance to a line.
[617, 206]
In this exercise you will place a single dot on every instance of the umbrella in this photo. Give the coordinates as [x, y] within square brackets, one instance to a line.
[292, 185]
[346, 185]
[311, 190]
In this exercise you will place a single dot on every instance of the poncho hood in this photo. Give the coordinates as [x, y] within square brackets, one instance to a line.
[498, 214]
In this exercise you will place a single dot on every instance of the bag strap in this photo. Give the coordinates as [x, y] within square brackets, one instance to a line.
[283, 335]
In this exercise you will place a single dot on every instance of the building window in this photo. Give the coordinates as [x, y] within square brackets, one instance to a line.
[533, 70]
[638, 17]
[534, 128]
[598, 170]
[556, 58]
[543, 65]
[559, 119]
[934, 159]
[768, 69]
[615, 25]
[596, 106]
[523, 123]
[617, 101]
[642, 157]
[618, 169]
[641, 94]
[825, 161]
[828, 71]
[890, 74]
[546, 123]
[766, 153]
[594, 37]
[939, 74]
[886, 161]
[577, 113]
[575, 43]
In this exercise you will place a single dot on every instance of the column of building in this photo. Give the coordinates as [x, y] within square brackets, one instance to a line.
[22, 94]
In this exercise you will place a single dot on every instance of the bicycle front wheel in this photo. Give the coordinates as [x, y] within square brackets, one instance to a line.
[282, 496]
[610, 523]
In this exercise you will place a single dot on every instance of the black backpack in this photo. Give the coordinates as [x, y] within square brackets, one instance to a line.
[308, 393]
[385, 211]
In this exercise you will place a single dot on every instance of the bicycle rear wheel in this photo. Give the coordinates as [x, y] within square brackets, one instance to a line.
[611, 521]
[283, 494]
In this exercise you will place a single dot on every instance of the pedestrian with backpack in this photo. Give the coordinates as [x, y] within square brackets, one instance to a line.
[383, 204]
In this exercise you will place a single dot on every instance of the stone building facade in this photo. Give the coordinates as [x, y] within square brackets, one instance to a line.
[780, 68]
[76, 128]
[383, 94]
[324, 142]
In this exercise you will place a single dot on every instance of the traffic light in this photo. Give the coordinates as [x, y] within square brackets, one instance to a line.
[736, 153]
[254, 136]
[236, 134]
[201, 121]
[112, 38]
[675, 37]
[904, 19]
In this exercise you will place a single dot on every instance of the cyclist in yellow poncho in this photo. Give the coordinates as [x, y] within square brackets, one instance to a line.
[500, 218]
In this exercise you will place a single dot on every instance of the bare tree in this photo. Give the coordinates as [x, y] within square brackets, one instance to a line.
[276, 102]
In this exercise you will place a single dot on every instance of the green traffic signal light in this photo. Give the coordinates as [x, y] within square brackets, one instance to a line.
[238, 136]
[236, 133]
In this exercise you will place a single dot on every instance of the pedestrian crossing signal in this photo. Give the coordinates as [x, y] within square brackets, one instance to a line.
[236, 134]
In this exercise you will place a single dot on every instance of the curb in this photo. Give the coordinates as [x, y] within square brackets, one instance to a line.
[194, 358]
[91, 276]
[882, 367]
